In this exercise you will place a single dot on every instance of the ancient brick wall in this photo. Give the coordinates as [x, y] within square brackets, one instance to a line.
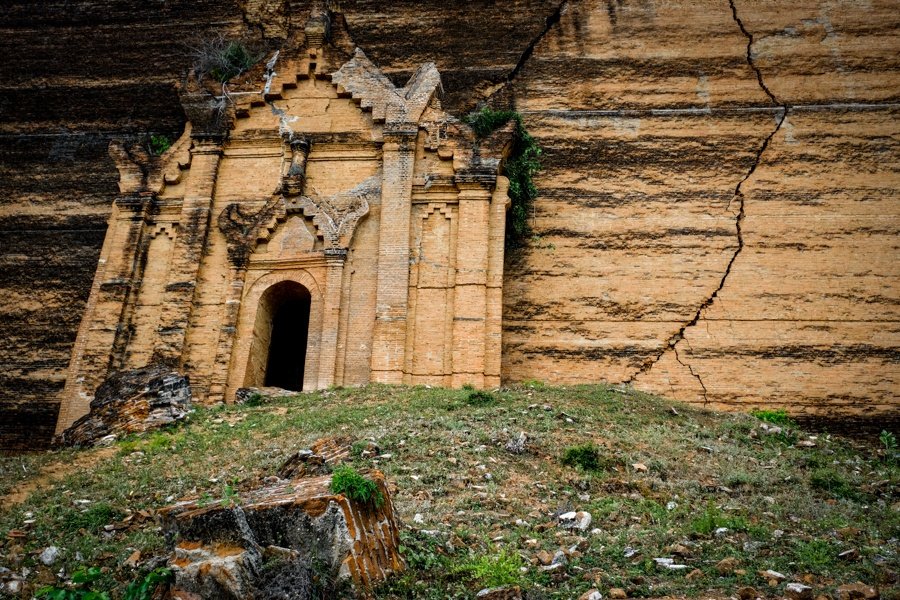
[650, 115]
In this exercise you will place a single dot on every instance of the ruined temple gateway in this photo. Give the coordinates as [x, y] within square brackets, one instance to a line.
[330, 229]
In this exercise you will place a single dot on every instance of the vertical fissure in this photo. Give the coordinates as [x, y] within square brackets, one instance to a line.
[738, 196]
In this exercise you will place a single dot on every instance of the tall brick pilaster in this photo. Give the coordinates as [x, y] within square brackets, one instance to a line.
[389, 340]
[470, 294]
[114, 280]
[193, 228]
[331, 314]
[494, 315]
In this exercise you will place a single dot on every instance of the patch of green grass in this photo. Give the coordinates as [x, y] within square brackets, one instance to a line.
[776, 417]
[814, 556]
[347, 481]
[829, 480]
[440, 462]
[480, 398]
[493, 570]
[92, 518]
[713, 518]
[586, 456]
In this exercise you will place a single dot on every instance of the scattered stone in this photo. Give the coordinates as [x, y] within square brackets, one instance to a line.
[857, 591]
[668, 563]
[518, 444]
[628, 552]
[726, 566]
[851, 554]
[544, 557]
[617, 594]
[318, 459]
[49, 555]
[806, 444]
[639, 467]
[748, 593]
[770, 574]
[798, 591]
[132, 401]
[591, 595]
[500, 593]
[133, 560]
[580, 520]
[671, 505]
[720, 531]
[560, 558]
[694, 575]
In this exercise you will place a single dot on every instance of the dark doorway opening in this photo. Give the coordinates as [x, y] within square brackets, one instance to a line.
[289, 308]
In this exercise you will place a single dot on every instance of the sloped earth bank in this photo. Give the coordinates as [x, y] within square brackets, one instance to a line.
[724, 495]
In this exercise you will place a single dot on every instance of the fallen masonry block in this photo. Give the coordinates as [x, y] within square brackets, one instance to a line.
[318, 459]
[132, 401]
[293, 539]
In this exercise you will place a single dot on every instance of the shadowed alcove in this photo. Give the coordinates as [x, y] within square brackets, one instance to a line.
[280, 335]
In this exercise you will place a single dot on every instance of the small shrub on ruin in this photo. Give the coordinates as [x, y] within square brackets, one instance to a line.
[159, 144]
[223, 59]
[347, 481]
[521, 166]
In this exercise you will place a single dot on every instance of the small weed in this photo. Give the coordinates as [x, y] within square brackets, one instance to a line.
[479, 398]
[776, 417]
[223, 59]
[889, 441]
[737, 479]
[92, 519]
[230, 496]
[347, 481]
[145, 587]
[255, 399]
[493, 570]
[533, 384]
[83, 580]
[586, 456]
[815, 556]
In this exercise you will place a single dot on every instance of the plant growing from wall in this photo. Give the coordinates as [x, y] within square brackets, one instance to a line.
[347, 481]
[159, 144]
[223, 59]
[521, 166]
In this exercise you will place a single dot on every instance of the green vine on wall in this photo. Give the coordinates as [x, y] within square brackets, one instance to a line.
[521, 166]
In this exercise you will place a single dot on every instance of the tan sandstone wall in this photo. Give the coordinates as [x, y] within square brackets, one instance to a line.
[694, 241]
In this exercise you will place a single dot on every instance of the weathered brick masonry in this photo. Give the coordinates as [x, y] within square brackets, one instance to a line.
[666, 125]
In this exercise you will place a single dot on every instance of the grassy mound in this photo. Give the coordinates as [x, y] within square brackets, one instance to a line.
[696, 486]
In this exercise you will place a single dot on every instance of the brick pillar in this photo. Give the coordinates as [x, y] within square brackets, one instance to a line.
[331, 316]
[391, 296]
[193, 227]
[470, 293]
[218, 380]
[92, 354]
[494, 313]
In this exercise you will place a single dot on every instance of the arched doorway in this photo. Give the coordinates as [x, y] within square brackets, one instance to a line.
[280, 335]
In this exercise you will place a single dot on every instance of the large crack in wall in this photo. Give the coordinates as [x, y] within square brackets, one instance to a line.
[781, 116]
